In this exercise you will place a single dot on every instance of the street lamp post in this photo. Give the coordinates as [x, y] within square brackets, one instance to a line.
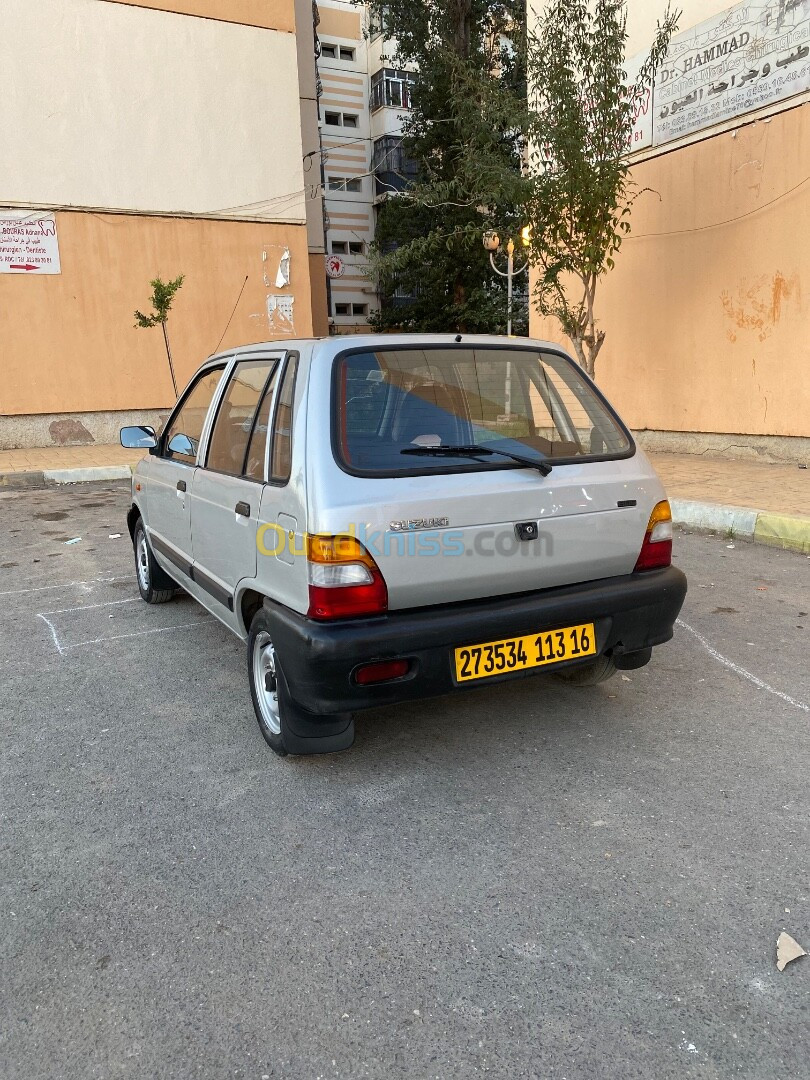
[492, 243]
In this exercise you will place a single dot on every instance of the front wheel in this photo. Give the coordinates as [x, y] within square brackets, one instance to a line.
[597, 671]
[152, 581]
[287, 728]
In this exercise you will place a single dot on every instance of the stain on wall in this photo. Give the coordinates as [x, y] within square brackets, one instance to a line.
[756, 305]
[70, 432]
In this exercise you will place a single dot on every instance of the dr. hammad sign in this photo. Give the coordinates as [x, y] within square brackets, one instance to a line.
[746, 57]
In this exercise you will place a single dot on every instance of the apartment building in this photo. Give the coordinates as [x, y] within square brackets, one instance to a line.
[363, 101]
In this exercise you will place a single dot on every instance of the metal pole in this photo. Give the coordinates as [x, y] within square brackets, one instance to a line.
[510, 266]
[510, 247]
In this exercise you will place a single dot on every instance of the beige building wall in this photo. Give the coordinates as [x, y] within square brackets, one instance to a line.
[167, 137]
[272, 14]
[707, 308]
[133, 109]
[69, 342]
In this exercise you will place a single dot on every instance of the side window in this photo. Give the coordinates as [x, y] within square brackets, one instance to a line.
[254, 463]
[234, 423]
[282, 426]
[182, 436]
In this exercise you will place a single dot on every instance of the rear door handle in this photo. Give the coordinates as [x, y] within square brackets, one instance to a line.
[181, 485]
[243, 509]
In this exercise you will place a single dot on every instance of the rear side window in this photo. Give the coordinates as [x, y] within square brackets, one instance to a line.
[254, 463]
[227, 448]
[392, 402]
[282, 426]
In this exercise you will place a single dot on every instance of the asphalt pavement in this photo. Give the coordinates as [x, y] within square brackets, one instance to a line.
[530, 880]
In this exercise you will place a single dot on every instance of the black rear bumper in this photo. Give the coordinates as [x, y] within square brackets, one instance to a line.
[629, 614]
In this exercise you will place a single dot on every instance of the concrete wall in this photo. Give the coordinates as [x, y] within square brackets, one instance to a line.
[275, 14]
[706, 310]
[121, 107]
[69, 342]
[167, 137]
[706, 325]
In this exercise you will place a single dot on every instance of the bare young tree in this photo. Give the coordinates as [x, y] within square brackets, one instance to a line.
[162, 297]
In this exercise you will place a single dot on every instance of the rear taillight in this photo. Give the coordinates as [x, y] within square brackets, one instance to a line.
[656, 551]
[344, 580]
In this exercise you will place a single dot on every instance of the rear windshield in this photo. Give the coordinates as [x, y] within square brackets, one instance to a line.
[516, 400]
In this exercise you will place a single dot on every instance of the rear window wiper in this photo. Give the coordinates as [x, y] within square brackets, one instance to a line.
[542, 465]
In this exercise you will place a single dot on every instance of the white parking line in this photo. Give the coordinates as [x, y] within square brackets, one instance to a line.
[89, 607]
[54, 634]
[88, 585]
[737, 669]
[138, 633]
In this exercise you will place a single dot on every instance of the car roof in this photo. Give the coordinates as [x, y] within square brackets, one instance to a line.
[329, 347]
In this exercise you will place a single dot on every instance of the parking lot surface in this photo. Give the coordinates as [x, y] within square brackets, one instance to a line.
[529, 880]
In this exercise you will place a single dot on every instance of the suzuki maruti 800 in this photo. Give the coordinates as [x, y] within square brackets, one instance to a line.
[383, 518]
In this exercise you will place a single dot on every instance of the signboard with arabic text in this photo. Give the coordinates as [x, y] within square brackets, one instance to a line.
[28, 243]
[749, 56]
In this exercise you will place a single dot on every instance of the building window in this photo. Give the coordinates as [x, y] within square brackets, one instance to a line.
[338, 247]
[379, 22]
[346, 54]
[345, 183]
[337, 119]
[360, 309]
[343, 309]
[356, 247]
[393, 170]
[391, 88]
[328, 51]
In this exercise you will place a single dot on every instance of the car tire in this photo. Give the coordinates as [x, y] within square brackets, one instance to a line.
[154, 585]
[598, 670]
[286, 727]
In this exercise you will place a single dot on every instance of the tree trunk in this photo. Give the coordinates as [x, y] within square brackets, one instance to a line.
[461, 16]
[169, 355]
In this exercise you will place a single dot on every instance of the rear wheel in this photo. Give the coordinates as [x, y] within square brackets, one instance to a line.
[598, 670]
[287, 728]
[154, 585]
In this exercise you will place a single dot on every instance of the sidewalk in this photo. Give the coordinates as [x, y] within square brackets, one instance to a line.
[36, 467]
[768, 504]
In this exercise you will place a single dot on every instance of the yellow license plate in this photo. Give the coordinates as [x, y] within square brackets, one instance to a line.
[521, 653]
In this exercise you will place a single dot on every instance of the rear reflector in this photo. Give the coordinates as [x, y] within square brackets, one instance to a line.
[381, 671]
[656, 551]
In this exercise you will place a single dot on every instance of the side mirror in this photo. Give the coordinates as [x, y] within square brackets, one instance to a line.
[138, 438]
[182, 444]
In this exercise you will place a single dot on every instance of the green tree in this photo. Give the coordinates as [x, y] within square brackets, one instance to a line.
[582, 113]
[465, 135]
[162, 298]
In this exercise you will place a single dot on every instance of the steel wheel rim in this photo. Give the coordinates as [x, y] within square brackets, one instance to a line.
[265, 682]
[142, 562]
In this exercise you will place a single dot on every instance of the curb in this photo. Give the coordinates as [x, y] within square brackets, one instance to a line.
[43, 478]
[787, 531]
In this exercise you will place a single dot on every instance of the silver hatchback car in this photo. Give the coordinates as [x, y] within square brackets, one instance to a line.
[384, 518]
